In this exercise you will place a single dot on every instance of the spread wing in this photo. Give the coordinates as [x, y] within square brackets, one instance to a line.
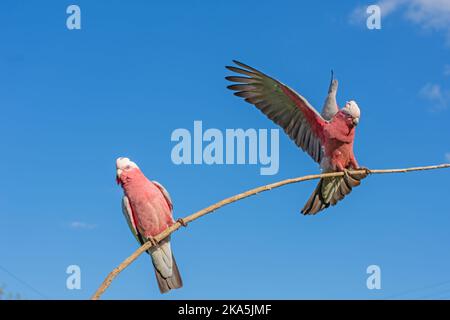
[301, 122]
[128, 213]
[165, 194]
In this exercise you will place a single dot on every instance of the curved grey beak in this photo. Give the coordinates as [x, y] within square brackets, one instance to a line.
[355, 121]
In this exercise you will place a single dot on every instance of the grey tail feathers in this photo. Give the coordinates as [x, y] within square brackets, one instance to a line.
[330, 191]
[172, 282]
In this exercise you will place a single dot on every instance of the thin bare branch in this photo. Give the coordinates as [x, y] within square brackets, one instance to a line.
[113, 274]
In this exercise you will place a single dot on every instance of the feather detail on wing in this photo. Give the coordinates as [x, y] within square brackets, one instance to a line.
[128, 213]
[301, 122]
[165, 193]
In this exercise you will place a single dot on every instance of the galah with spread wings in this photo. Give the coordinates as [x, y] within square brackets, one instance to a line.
[148, 210]
[327, 138]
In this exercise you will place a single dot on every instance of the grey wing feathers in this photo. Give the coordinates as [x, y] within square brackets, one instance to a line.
[165, 193]
[301, 122]
[330, 107]
[128, 213]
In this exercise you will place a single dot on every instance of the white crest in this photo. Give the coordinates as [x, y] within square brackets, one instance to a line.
[123, 164]
[352, 109]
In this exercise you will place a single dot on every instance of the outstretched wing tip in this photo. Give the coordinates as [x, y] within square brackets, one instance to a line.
[238, 63]
[282, 105]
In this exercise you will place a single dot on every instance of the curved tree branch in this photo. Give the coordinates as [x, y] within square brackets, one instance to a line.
[113, 274]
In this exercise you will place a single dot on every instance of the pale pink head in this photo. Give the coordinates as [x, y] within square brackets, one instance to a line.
[124, 166]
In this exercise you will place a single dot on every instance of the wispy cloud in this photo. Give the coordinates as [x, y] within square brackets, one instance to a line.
[447, 70]
[434, 94]
[447, 156]
[81, 225]
[428, 14]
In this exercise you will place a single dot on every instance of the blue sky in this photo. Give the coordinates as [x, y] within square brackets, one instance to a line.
[73, 101]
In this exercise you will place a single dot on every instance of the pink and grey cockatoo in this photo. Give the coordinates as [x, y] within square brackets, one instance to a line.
[148, 210]
[327, 138]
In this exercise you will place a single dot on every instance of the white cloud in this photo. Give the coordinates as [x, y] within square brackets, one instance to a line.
[435, 95]
[81, 225]
[432, 91]
[447, 156]
[358, 16]
[434, 14]
[429, 14]
[389, 6]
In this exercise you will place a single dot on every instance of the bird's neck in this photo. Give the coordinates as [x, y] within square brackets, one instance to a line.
[341, 122]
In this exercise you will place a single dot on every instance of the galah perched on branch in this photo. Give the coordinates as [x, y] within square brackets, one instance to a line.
[327, 138]
[148, 210]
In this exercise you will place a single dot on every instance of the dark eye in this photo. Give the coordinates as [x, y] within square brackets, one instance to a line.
[127, 167]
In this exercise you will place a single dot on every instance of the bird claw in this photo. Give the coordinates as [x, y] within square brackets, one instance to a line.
[367, 170]
[182, 222]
